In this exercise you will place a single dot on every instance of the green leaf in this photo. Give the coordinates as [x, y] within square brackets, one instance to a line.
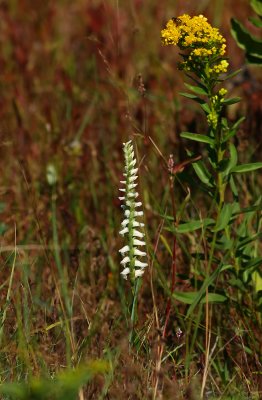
[194, 225]
[193, 97]
[190, 297]
[257, 6]
[226, 267]
[202, 172]
[165, 243]
[232, 162]
[229, 135]
[2, 207]
[246, 167]
[15, 390]
[254, 59]
[231, 75]
[246, 241]
[197, 89]
[233, 187]
[64, 386]
[234, 100]
[205, 107]
[224, 217]
[223, 243]
[199, 83]
[224, 123]
[188, 95]
[232, 131]
[249, 209]
[198, 138]
[3, 228]
[257, 279]
[238, 122]
[234, 282]
[245, 40]
[256, 22]
[207, 282]
[254, 263]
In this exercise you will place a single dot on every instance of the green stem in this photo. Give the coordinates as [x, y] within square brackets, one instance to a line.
[8, 296]
[134, 309]
[65, 295]
[57, 255]
[220, 191]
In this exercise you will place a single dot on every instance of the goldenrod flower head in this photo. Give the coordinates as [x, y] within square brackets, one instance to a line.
[212, 119]
[222, 92]
[205, 45]
[187, 32]
[220, 67]
[131, 226]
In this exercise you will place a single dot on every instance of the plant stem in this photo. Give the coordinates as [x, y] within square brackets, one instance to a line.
[57, 255]
[8, 296]
[220, 190]
[137, 286]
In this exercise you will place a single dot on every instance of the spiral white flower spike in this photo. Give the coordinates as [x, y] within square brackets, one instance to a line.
[131, 225]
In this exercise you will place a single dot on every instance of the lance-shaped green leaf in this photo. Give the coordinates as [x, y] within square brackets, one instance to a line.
[194, 97]
[223, 243]
[193, 225]
[246, 167]
[233, 187]
[232, 160]
[232, 131]
[246, 241]
[238, 122]
[257, 207]
[197, 89]
[203, 174]
[233, 100]
[205, 107]
[207, 282]
[254, 263]
[190, 96]
[251, 44]
[257, 6]
[198, 82]
[198, 138]
[3, 228]
[256, 22]
[190, 297]
[253, 59]
[231, 75]
[224, 217]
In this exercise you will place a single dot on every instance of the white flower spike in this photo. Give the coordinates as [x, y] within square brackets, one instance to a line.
[124, 250]
[131, 224]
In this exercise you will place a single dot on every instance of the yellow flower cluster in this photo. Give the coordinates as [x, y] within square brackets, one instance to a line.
[212, 119]
[219, 68]
[204, 43]
[189, 32]
[216, 107]
[222, 92]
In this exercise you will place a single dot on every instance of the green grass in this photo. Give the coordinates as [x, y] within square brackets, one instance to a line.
[70, 95]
